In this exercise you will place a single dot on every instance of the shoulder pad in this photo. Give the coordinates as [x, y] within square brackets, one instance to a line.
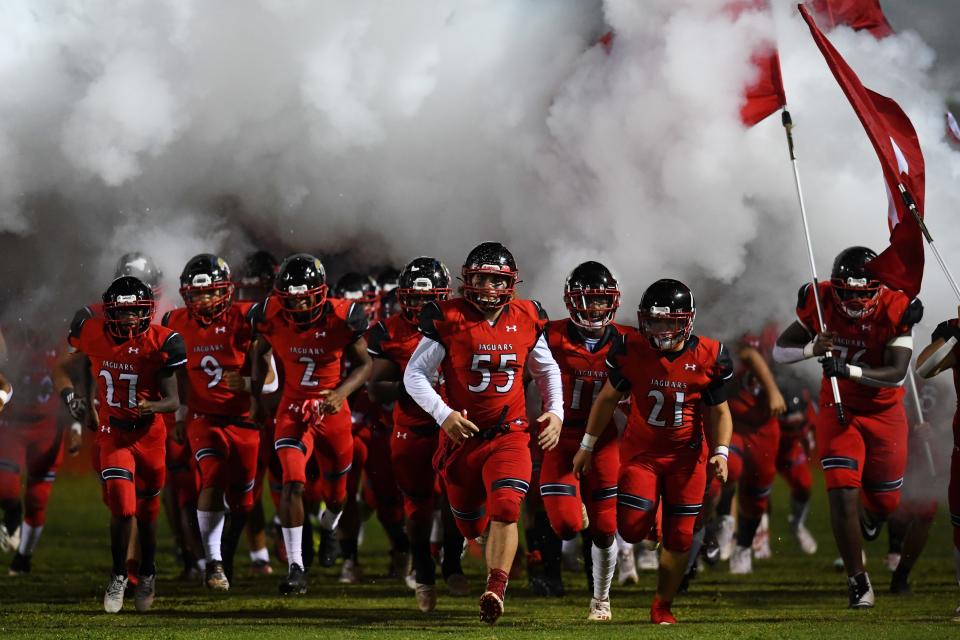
[724, 363]
[913, 313]
[945, 330]
[376, 336]
[356, 317]
[541, 313]
[80, 317]
[803, 294]
[165, 321]
[174, 350]
[429, 316]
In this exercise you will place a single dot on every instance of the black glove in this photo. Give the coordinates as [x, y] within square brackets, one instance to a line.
[835, 368]
[76, 405]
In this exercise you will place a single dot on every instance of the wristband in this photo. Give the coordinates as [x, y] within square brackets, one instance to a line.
[588, 442]
[808, 349]
[855, 372]
[6, 395]
[76, 429]
[722, 450]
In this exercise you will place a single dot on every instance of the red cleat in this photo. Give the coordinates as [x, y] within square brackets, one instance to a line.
[491, 607]
[660, 612]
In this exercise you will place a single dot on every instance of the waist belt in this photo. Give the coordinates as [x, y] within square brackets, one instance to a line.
[501, 428]
[225, 421]
[131, 425]
[425, 430]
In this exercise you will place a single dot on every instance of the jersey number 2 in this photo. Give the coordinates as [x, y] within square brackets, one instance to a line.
[654, 419]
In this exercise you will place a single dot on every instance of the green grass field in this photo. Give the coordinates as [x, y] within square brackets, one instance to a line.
[789, 596]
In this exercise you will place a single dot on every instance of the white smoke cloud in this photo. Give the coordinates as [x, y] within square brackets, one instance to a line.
[380, 131]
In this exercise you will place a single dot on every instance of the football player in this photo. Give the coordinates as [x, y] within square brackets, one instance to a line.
[943, 354]
[391, 342]
[309, 334]
[215, 420]
[31, 444]
[755, 409]
[481, 343]
[256, 282]
[135, 363]
[580, 344]
[679, 419]
[793, 461]
[867, 349]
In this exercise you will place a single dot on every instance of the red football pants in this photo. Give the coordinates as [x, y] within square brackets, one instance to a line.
[132, 469]
[36, 448]
[486, 479]
[869, 452]
[329, 441]
[411, 453]
[225, 453]
[679, 480]
[793, 465]
[562, 493]
[758, 446]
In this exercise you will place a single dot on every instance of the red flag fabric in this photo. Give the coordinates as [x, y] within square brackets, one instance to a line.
[856, 14]
[766, 95]
[900, 266]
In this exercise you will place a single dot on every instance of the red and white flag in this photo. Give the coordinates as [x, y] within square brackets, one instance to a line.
[856, 14]
[900, 266]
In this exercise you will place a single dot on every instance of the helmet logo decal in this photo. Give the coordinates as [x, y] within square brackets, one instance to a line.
[140, 264]
[422, 284]
[126, 299]
[857, 282]
[297, 289]
[659, 311]
[202, 280]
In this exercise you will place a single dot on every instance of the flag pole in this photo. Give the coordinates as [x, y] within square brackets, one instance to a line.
[912, 206]
[912, 384]
[788, 128]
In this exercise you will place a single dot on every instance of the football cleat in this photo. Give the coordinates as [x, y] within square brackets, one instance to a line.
[725, 537]
[869, 527]
[741, 562]
[295, 583]
[411, 579]
[599, 610]
[647, 559]
[899, 585]
[9, 541]
[400, 565]
[145, 592]
[860, 591]
[891, 561]
[113, 598]
[216, 577]
[261, 568]
[491, 607]
[626, 567]
[329, 548]
[458, 585]
[19, 565]
[761, 540]
[351, 572]
[426, 595]
[804, 538]
[660, 612]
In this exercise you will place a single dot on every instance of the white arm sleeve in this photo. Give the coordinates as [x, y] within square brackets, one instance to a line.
[274, 384]
[546, 373]
[421, 369]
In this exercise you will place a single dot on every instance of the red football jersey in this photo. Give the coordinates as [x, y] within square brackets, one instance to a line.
[668, 391]
[29, 368]
[213, 349]
[945, 330]
[582, 371]
[860, 341]
[310, 356]
[395, 339]
[483, 366]
[749, 407]
[126, 372]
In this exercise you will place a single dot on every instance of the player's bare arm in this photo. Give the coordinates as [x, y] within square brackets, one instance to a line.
[386, 383]
[259, 368]
[361, 366]
[6, 392]
[939, 356]
[896, 361]
[718, 438]
[601, 413]
[757, 365]
[797, 343]
[180, 424]
[169, 396]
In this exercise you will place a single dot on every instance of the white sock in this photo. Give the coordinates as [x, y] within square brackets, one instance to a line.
[569, 547]
[623, 545]
[293, 540]
[329, 520]
[202, 564]
[211, 531]
[29, 537]
[436, 529]
[261, 555]
[956, 563]
[604, 564]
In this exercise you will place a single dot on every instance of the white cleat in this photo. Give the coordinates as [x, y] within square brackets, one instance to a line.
[144, 593]
[761, 541]
[113, 598]
[804, 538]
[741, 562]
[891, 561]
[9, 541]
[411, 580]
[860, 592]
[956, 614]
[599, 610]
[426, 597]
[350, 572]
[725, 537]
[647, 559]
[626, 568]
